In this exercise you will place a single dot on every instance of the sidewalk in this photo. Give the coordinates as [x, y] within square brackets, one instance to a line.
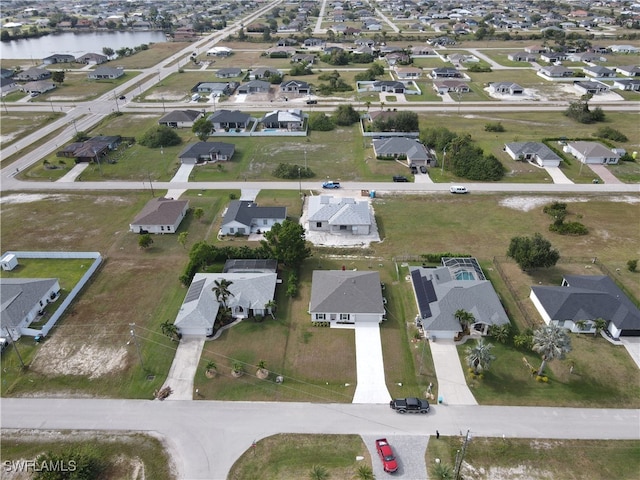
[452, 386]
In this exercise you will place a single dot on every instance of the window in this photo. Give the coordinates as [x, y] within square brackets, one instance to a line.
[321, 316]
[318, 224]
[344, 316]
[265, 221]
[168, 228]
[162, 228]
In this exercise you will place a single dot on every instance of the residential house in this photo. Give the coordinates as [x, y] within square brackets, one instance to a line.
[593, 88]
[339, 215]
[388, 86]
[102, 73]
[58, 58]
[408, 73]
[280, 52]
[409, 149]
[219, 51]
[459, 284]
[296, 87]
[584, 298]
[556, 71]
[522, 57]
[292, 120]
[535, 49]
[599, 72]
[592, 153]
[586, 57]
[346, 297]
[422, 51]
[216, 89]
[90, 150]
[244, 217]
[8, 85]
[447, 86]
[631, 84]
[160, 215]
[263, 72]
[458, 58]
[23, 301]
[242, 265]
[40, 86]
[506, 88]
[92, 59]
[303, 57]
[445, 72]
[180, 118]
[536, 152]
[225, 120]
[206, 152]
[33, 74]
[229, 72]
[254, 86]
[314, 42]
[249, 295]
[624, 49]
[554, 57]
[629, 70]
[6, 73]
[184, 34]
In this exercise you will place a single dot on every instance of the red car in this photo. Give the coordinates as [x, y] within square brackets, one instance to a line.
[389, 462]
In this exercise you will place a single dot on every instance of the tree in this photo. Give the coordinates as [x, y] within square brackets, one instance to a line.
[210, 368]
[160, 136]
[442, 471]
[271, 307]
[198, 213]
[346, 115]
[58, 76]
[632, 265]
[237, 368]
[170, 330]
[262, 370]
[145, 241]
[579, 111]
[320, 122]
[464, 317]
[182, 238]
[479, 357]
[364, 472]
[221, 291]
[502, 333]
[318, 472]
[286, 243]
[600, 324]
[202, 128]
[551, 342]
[532, 252]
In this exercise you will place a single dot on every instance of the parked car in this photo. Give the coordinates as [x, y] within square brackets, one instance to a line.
[331, 185]
[400, 178]
[389, 462]
[458, 189]
[312, 102]
[122, 97]
[410, 404]
[423, 169]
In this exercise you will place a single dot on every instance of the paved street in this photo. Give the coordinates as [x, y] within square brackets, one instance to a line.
[206, 438]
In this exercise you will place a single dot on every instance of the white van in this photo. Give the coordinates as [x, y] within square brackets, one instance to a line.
[458, 189]
[195, 97]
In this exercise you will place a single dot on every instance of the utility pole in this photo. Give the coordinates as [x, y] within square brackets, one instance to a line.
[151, 186]
[460, 455]
[15, 347]
[135, 341]
[115, 99]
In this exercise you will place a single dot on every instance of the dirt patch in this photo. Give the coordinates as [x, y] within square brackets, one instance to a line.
[30, 197]
[519, 472]
[526, 204]
[91, 360]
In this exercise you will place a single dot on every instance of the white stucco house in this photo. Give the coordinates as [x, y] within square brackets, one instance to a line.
[346, 297]
[592, 153]
[243, 217]
[23, 300]
[339, 215]
[536, 152]
[250, 292]
[160, 215]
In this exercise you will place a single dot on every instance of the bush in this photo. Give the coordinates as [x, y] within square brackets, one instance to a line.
[292, 285]
[610, 134]
[494, 127]
[320, 122]
[570, 228]
[632, 265]
[292, 171]
[160, 136]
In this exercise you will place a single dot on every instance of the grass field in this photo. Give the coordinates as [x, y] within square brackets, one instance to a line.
[124, 454]
[513, 458]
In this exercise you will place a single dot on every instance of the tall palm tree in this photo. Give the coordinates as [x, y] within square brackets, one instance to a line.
[221, 291]
[600, 324]
[551, 342]
[479, 357]
[170, 330]
[271, 307]
[465, 318]
[318, 472]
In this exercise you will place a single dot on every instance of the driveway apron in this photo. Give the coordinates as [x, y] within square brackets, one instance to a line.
[409, 451]
[452, 386]
[183, 368]
[371, 387]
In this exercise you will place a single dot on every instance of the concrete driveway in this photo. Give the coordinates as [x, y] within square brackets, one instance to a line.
[371, 387]
[632, 344]
[452, 386]
[604, 173]
[557, 175]
[183, 368]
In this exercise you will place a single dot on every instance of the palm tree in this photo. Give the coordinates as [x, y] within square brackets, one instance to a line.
[221, 291]
[237, 369]
[364, 472]
[600, 324]
[271, 307]
[318, 472]
[501, 333]
[262, 370]
[479, 357]
[464, 317]
[442, 471]
[551, 342]
[170, 330]
[210, 369]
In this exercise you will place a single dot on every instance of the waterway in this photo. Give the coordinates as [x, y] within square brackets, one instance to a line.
[76, 44]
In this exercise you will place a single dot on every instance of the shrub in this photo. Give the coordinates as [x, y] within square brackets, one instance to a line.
[320, 122]
[570, 228]
[292, 171]
[611, 134]
[292, 285]
[160, 136]
[494, 127]
[632, 265]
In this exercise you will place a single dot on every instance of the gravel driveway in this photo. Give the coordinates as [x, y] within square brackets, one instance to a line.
[410, 454]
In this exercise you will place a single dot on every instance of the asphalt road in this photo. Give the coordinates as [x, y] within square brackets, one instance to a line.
[205, 438]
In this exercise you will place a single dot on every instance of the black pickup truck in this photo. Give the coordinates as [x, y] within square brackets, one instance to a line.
[411, 405]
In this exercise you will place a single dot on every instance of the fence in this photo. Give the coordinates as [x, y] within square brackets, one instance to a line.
[530, 323]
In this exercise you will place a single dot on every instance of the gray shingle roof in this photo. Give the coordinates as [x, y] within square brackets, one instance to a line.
[200, 149]
[228, 116]
[19, 296]
[245, 211]
[160, 211]
[346, 291]
[180, 116]
[533, 148]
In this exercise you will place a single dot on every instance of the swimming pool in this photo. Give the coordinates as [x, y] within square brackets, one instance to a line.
[465, 275]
